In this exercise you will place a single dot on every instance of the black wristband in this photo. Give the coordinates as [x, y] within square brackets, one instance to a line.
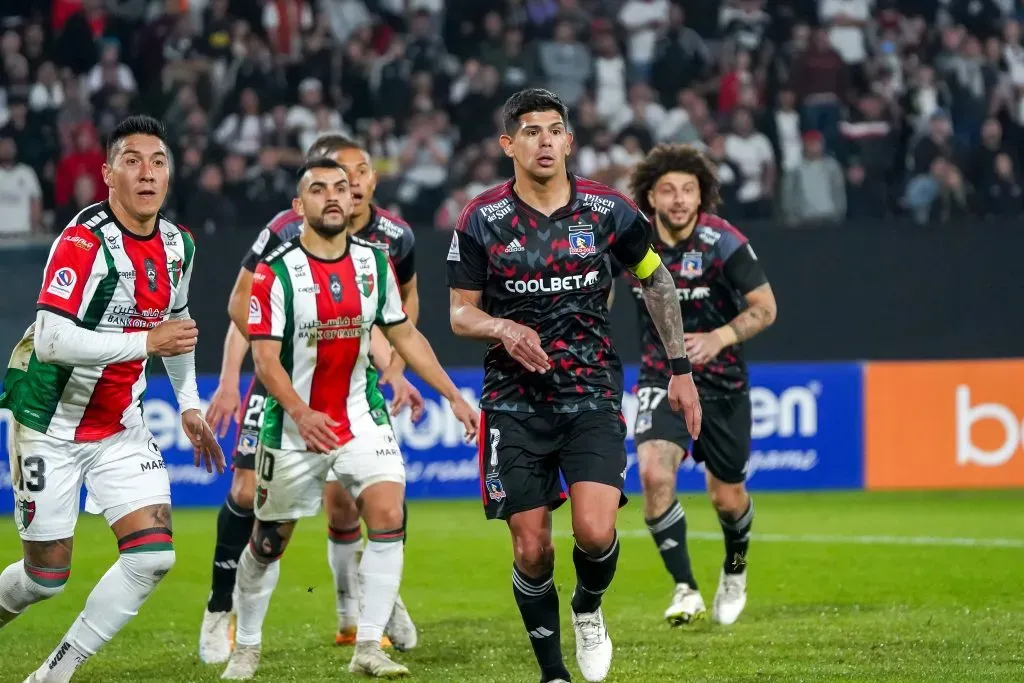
[680, 366]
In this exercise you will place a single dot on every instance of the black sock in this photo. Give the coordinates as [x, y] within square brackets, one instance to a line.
[234, 526]
[593, 576]
[669, 532]
[538, 604]
[737, 539]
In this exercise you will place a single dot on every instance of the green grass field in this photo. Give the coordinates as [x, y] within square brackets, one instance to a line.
[843, 587]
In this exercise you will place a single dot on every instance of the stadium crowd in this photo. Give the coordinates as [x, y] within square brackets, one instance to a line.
[815, 111]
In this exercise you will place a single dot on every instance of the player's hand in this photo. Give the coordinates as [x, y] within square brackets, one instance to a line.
[225, 406]
[172, 338]
[315, 430]
[406, 395]
[702, 347]
[683, 398]
[469, 418]
[204, 443]
[523, 344]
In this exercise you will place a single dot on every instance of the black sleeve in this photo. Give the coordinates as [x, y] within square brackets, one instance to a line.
[265, 243]
[743, 270]
[632, 238]
[467, 260]
[616, 267]
[405, 258]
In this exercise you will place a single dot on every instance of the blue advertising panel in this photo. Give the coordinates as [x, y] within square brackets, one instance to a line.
[807, 434]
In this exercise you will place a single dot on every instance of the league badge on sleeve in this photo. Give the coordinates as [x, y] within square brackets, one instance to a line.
[63, 283]
[581, 240]
[693, 265]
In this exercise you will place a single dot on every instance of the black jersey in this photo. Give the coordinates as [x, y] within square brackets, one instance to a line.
[551, 274]
[714, 268]
[384, 228]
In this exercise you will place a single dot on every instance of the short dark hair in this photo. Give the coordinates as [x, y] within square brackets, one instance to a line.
[529, 101]
[316, 162]
[330, 144]
[667, 158]
[139, 124]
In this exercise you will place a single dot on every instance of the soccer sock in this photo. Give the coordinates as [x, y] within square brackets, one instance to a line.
[669, 532]
[593, 576]
[146, 557]
[256, 583]
[342, 547]
[380, 573]
[405, 522]
[737, 539]
[234, 526]
[538, 604]
[23, 585]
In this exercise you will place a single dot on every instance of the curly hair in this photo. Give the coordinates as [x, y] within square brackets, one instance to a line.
[667, 158]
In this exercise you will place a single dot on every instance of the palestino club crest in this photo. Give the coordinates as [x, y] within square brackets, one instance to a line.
[365, 282]
[174, 268]
[261, 496]
[26, 512]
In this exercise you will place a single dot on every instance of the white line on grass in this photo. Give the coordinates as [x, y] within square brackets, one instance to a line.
[944, 541]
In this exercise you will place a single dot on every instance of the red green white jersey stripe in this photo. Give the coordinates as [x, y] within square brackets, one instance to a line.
[109, 280]
[322, 313]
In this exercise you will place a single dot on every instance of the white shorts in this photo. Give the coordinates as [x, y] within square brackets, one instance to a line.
[290, 483]
[122, 473]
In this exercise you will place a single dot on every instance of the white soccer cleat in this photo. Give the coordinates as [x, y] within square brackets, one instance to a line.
[244, 662]
[730, 599]
[593, 646]
[371, 660]
[32, 678]
[400, 628]
[215, 637]
[687, 606]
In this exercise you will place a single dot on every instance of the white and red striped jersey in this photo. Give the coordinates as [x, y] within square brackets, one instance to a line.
[322, 313]
[109, 280]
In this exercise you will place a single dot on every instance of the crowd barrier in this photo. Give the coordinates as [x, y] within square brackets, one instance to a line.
[939, 424]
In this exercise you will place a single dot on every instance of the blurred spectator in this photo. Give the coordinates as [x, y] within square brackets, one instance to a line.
[814, 191]
[681, 58]
[21, 198]
[846, 21]
[47, 95]
[84, 195]
[820, 78]
[242, 132]
[86, 158]
[865, 199]
[564, 64]
[752, 153]
[643, 20]
[110, 72]
[206, 210]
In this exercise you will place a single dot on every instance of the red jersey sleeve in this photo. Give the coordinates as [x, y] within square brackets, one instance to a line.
[266, 305]
[73, 271]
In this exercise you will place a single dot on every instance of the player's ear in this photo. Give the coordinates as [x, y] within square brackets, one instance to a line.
[506, 145]
[569, 140]
[297, 206]
[107, 180]
[650, 198]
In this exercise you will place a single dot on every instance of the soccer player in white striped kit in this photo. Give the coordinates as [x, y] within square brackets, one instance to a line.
[314, 303]
[115, 292]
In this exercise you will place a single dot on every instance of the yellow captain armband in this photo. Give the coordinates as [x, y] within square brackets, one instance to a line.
[647, 265]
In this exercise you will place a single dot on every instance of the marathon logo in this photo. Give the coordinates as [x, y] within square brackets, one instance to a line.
[553, 285]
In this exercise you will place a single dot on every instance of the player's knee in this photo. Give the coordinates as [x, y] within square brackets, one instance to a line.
[243, 493]
[657, 482]
[593, 534]
[43, 583]
[343, 514]
[267, 542]
[148, 568]
[729, 499]
[387, 518]
[534, 554]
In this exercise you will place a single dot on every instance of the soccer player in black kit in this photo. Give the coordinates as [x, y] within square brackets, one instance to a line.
[529, 273]
[726, 299]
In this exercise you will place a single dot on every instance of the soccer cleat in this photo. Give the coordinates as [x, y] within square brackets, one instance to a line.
[687, 606]
[244, 662]
[33, 678]
[400, 628]
[593, 646]
[730, 599]
[347, 636]
[215, 637]
[371, 660]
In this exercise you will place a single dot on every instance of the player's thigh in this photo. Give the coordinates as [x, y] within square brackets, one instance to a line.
[518, 458]
[380, 504]
[724, 443]
[46, 475]
[373, 456]
[661, 437]
[593, 450]
[125, 473]
[249, 429]
[339, 504]
[289, 483]
[531, 540]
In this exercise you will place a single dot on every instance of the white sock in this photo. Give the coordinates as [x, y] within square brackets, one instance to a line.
[256, 583]
[342, 556]
[110, 606]
[18, 590]
[380, 573]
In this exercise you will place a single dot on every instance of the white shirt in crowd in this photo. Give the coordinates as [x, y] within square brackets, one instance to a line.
[244, 134]
[125, 79]
[18, 187]
[750, 154]
[848, 41]
[790, 143]
[41, 97]
[610, 90]
[640, 13]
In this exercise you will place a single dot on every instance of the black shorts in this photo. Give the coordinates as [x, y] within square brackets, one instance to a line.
[249, 430]
[724, 443]
[522, 454]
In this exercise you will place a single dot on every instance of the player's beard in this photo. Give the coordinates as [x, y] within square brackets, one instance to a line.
[671, 226]
[325, 230]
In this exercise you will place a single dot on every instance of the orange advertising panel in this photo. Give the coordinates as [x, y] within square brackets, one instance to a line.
[944, 424]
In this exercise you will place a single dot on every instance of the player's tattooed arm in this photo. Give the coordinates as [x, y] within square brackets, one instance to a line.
[659, 292]
[759, 314]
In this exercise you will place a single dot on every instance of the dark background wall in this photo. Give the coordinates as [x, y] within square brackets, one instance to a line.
[884, 291]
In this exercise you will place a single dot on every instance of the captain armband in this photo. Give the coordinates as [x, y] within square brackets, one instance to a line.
[648, 264]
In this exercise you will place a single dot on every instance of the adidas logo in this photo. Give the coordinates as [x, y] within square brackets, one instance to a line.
[540, 631]
[514, 246]
[667, 544]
